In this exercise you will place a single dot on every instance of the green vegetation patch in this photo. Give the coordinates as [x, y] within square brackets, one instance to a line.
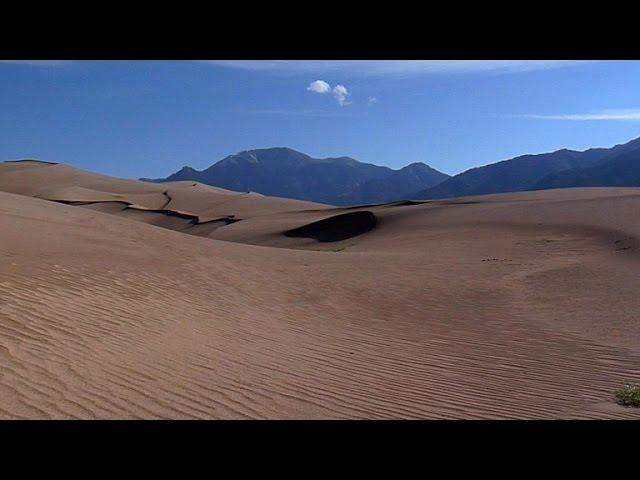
[629, 395]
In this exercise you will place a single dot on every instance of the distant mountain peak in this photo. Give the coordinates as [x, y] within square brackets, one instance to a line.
[285, 172]
[417, 165]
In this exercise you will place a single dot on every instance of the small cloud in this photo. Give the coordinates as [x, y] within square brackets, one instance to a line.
[319, 86]
[372, 100]
[340, 93]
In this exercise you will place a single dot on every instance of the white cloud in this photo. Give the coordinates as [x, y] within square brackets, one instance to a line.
[372, 100]
[620, 114]
[340, 93]
[396, 67]
[319, 86]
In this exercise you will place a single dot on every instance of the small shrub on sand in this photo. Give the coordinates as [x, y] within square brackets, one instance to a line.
[629, 395]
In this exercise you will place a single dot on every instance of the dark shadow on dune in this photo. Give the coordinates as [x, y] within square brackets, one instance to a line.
[228, 220]
[24, 160]
[407, 203]
[339, 227]
[168, 197]
[193, 219]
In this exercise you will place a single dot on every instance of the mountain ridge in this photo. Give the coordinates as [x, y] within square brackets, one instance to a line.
[284, 172]
[564, 168]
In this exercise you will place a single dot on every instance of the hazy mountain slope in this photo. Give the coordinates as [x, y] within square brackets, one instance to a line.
[513, 175]
[620, 166]
[399, 185]
[284, 172]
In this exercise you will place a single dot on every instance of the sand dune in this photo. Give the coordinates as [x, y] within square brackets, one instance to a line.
[501, 306]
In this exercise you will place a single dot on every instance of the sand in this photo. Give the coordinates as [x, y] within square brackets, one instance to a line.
[127, 299]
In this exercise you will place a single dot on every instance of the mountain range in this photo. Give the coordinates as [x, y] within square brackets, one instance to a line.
[601, 167]
[284, 172]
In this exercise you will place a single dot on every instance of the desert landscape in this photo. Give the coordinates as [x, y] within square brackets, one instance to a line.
[139, 300]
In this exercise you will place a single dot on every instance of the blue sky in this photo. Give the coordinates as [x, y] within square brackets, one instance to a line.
[150, 118]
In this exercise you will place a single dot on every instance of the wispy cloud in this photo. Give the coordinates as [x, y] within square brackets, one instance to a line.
[619, 114]
[38, 63]
[340, 93]
[395, 67]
